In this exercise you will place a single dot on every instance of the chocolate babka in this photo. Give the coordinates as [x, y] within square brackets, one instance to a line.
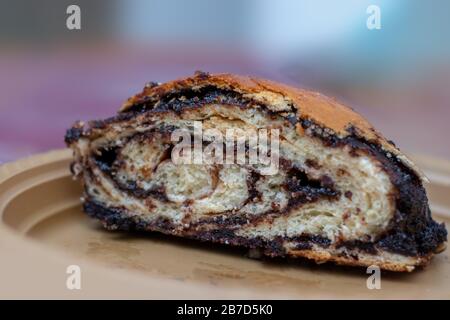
[322, 183]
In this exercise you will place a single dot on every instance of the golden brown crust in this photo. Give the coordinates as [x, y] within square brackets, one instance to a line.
[322, 110]
[404, 264]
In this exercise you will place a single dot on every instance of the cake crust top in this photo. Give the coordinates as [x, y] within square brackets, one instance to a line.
[324, 111]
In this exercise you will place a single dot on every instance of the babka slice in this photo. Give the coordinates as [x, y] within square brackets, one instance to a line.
[249, 162]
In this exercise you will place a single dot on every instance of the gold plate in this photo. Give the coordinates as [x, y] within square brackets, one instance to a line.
[43, 231]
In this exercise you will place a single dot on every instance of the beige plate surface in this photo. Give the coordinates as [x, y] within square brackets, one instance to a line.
[43, 231]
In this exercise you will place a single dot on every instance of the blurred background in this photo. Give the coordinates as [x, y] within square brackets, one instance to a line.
[397, 76]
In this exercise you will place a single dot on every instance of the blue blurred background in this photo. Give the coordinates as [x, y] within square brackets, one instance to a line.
[398, 76]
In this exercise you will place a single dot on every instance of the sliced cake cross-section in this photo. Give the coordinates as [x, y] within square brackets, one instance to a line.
[340, 192]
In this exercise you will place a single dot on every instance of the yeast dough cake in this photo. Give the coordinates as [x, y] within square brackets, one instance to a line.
[341, 191]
